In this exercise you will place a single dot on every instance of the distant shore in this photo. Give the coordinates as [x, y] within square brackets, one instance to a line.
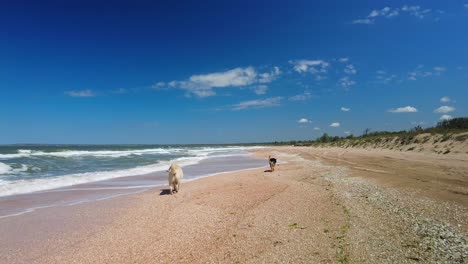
[321, 205]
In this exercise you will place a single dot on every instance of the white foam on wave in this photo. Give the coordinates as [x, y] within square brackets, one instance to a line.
[203, 151]
[220, 151]
[22, 153]
[7, 169]
[41, 184]
[4, 168]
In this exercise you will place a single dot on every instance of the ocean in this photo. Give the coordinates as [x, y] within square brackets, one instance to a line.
[32, 168]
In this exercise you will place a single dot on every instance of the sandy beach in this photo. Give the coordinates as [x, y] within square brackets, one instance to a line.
[320, 206]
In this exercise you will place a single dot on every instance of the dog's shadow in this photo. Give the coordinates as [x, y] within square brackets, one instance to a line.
[268, 171]
[165, 192]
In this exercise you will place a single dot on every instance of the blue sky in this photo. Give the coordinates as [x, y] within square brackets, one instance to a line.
[223, 72]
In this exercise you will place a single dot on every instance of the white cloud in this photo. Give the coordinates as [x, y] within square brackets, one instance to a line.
[268, 77]
[380, 72]
[444, 109]
[446, 117]
[347, 132]
[439, 70]
[420, 72]
[346, 82]
[159, 85]
[313, 66]
[317, 128]
[336, 124]
[343, 60]
[365, 21]
[234, 77]
[416, 11]
[445, 99]
[465, 5]
[406, 109]
[345, 109]
[384, 77]
[260, 89]
[172, 84]
[395, 12]
[80, 93]
[203, 85]
[269, 102]
[301, 97]
[350, 69]
[389, 12]
[385, 12]
[304, 121]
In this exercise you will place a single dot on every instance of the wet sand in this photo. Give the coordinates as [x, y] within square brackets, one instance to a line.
[321, 206]
[101, 190]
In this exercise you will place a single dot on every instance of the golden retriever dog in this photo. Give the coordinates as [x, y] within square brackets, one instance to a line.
[272, 162]
[175, 177]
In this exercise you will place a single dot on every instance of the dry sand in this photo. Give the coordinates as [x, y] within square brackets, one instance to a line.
[321, 206]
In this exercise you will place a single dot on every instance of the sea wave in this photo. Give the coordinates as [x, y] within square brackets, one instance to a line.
[203, 151]
[41, 184]
[7, 169]
[22, 153]
[13, 182]
[4, 168]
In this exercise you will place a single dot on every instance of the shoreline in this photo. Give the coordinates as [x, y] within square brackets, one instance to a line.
[114, 187]
[316, 208]
[19, 180]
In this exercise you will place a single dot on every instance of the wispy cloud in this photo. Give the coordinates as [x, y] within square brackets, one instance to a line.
[365, 21]
[416, 11]
[304, 121]
[301, 97]
[438, 70]
[80, 93]
[466, 6]
[421, 72]
[260, 103]
[343, 60]
[204, 85]
[446, 117]
[260, 89]
[335, 124]
[445, 99]
[350, 69]
[384, 77]
[444, 109]
[384, 12]
[345, 109]
[312, 66]
[389, 12]
[346, 82]
[406, 109]
[317, 128]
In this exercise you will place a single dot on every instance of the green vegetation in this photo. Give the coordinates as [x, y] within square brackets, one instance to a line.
[444, 130]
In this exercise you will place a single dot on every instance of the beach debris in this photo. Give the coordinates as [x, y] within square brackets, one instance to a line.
[296, 226]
